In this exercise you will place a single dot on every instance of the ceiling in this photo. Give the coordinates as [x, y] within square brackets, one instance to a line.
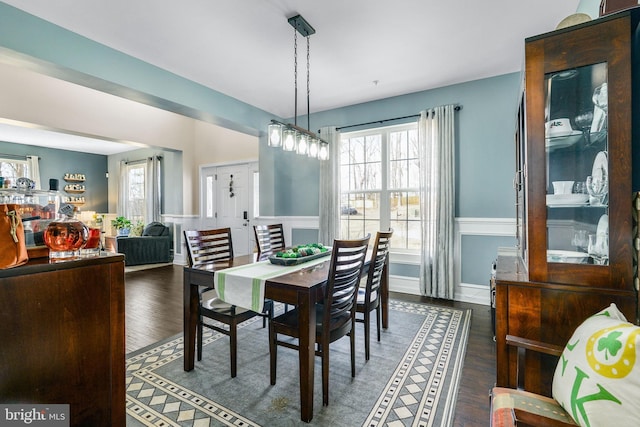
[363, 50]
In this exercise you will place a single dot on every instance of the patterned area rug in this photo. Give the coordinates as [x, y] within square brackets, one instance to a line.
[411, 379]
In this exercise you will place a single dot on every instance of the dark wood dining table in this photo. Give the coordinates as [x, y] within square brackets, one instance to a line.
[303, 288]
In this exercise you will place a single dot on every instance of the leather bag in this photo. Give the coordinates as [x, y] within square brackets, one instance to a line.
[13, 249]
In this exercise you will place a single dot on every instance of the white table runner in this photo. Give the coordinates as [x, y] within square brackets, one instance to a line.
[243, 286]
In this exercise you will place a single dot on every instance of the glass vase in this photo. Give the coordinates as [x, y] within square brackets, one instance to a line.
[64, 238]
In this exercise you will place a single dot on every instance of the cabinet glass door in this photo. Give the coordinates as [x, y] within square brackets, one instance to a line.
[577, 165]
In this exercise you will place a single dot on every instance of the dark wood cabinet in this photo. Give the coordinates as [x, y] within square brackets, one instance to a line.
[577, 255]
[62, 337]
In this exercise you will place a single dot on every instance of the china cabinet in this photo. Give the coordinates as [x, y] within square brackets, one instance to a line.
[575, 146]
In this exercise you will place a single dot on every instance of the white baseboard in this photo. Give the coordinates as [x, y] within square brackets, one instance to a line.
[474, 294]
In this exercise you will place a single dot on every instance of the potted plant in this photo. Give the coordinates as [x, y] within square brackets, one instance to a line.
[122, 225]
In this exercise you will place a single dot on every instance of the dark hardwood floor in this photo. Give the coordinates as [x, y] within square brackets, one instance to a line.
[154, 312]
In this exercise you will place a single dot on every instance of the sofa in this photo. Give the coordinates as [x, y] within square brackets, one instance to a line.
[153, 247]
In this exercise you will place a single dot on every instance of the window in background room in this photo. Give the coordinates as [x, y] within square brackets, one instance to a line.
[379, 184]
[12, 169]
[135, 188]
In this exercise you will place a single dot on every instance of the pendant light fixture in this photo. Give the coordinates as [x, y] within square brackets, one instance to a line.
[292, 137]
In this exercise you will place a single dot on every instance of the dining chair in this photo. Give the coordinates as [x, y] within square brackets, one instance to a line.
[335, 317]
[369, 294]
[210, 246]
[269, 238]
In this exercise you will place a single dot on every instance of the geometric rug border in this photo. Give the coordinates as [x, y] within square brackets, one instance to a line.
[155, 401]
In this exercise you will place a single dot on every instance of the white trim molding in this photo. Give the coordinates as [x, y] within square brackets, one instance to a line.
[498, 227]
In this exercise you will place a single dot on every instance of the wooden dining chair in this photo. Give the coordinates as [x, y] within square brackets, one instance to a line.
[210, 246]
[369, 295]
[269, 238]
[335, 317]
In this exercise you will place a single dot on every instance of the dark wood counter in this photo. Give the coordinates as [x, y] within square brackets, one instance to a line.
[62, 337]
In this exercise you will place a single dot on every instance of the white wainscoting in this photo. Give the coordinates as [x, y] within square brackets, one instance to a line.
[498, 227]
[467, 292]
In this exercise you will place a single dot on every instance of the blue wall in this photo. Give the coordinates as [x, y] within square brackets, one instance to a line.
[485, 152]
[55, 163]
[289, 184]
[485, 148]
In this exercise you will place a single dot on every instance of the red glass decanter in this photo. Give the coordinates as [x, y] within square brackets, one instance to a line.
[65, 237]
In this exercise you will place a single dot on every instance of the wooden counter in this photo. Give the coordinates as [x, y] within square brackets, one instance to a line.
[62, 337]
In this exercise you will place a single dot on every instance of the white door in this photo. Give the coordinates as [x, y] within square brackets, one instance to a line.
[226, 202]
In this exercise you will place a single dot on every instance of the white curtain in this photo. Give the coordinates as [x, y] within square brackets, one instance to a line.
[329, 203]
[436, 130]
[153, 189]
[34, 170]
[123, 188]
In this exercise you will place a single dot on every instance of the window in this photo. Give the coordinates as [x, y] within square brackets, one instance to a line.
[135, 187]
[379, 181]
[11, 170]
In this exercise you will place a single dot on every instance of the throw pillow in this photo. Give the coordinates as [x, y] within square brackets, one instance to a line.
[597, 379]
[155, 229]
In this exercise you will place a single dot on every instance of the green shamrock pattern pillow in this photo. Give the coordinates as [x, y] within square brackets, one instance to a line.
[597, 379]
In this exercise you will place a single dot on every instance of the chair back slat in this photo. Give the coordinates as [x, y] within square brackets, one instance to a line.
[347, 260]
[269, 238]
[206, 246]
[378, 260]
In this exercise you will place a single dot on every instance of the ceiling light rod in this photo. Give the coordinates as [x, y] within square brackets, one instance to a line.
[294, 137]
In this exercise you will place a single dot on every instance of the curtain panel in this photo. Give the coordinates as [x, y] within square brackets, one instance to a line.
[436, 132]
[329, 204]
[33, 165]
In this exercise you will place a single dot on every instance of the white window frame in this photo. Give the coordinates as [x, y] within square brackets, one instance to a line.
[385, 190]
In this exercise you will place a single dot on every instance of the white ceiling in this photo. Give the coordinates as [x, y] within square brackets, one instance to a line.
[244, 48]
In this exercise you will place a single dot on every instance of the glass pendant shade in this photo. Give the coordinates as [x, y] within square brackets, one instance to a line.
[289, 140]
[275, 135]
[323, 152]
[303, 144]
[313, 148]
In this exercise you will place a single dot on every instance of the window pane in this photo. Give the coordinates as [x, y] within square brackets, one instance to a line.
[371, 227]
[357, 150]
[357, 176]
[11, 170]
[398, 145]
[370, 205]
[209, 191]
[374, 147]
[136, 193]
[398, 174]
[373, 180]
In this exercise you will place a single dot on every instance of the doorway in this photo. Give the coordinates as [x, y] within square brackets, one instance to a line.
[228, 200]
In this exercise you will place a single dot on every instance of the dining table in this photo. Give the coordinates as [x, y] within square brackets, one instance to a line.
[303, 288]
